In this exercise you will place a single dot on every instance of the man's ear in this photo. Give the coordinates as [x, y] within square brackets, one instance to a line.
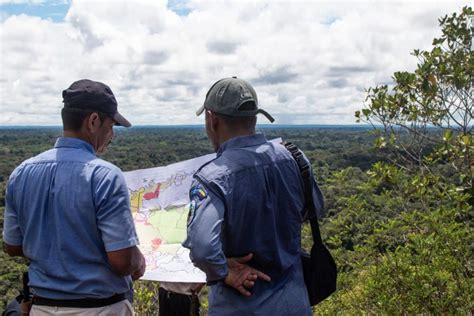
[93, 122]
[213, 121]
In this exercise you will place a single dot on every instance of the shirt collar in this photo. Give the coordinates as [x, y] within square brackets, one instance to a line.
[242, 141]
[71, 142]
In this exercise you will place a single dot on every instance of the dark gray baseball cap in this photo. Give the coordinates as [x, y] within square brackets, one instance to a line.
[227, 96]
[91, 95]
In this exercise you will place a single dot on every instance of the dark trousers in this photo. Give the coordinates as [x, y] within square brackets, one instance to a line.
[175, 304]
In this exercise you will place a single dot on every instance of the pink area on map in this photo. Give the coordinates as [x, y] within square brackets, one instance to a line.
[153, 195]
[141, 219]
[156, 242]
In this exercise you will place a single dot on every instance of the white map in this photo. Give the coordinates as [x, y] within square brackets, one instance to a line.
[159, 199]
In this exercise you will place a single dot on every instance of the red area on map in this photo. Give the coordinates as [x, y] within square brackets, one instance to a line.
[153, 195]
[156, 242]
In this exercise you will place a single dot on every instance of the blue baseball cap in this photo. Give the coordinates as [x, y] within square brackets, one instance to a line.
[91, 95]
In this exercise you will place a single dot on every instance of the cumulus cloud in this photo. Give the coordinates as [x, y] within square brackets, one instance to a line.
[310, 62]
[280, 75]
[222, 47]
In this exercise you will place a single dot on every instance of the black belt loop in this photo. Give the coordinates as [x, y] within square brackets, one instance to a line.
[79, 303]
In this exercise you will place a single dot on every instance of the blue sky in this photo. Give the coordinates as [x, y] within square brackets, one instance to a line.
[309, 61]
[57, 10]
[54, 10]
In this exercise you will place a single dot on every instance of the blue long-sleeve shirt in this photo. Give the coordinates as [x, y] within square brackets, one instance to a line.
[250, 199]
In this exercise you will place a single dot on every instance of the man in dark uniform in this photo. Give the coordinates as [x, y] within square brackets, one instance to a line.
[247, 207]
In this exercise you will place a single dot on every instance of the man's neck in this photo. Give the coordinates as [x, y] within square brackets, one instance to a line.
[232, 134]
[76, 134]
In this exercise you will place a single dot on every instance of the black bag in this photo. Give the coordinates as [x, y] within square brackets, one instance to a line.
[319, 268]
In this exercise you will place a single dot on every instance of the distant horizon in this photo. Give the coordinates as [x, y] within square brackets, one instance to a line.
[361, 125]
[202, 126]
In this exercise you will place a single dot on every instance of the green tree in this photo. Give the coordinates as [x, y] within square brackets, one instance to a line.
[403, 239]
[439, 93]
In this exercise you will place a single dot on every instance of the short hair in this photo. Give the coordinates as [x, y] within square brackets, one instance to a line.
[241, 122]
[73, 118]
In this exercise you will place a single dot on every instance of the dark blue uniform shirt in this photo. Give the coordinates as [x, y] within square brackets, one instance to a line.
[250, 199]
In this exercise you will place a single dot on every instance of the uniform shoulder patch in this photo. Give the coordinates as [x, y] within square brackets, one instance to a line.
[197, 193]
[192, 209]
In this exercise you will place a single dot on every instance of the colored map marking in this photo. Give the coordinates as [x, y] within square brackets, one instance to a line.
[169, 226]
[159, 200]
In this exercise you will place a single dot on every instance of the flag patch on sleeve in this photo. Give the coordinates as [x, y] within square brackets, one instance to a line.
[198, 192]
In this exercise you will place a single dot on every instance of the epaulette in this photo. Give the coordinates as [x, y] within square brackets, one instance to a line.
[205, 164]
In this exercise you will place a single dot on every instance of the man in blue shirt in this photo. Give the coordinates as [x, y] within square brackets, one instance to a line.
[69, 213]
[247, 207]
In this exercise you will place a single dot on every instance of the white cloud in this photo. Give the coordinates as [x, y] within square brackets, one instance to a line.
[309, 61]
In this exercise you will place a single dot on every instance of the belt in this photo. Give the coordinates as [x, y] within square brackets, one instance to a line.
[79, 303]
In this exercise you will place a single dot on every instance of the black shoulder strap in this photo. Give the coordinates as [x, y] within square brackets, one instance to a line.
[306, 175]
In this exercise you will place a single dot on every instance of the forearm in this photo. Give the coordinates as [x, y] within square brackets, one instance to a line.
[138, 264]
[14, 251]
[126, 261]
[214, 271]
[206, 253]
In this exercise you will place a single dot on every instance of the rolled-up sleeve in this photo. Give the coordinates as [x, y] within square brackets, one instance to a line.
[204, 232]
[12, 234]
[114, 217]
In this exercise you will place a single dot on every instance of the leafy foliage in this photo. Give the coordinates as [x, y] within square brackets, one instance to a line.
[11, 272]
[403, 245]
[438, 94]
[402, 234]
